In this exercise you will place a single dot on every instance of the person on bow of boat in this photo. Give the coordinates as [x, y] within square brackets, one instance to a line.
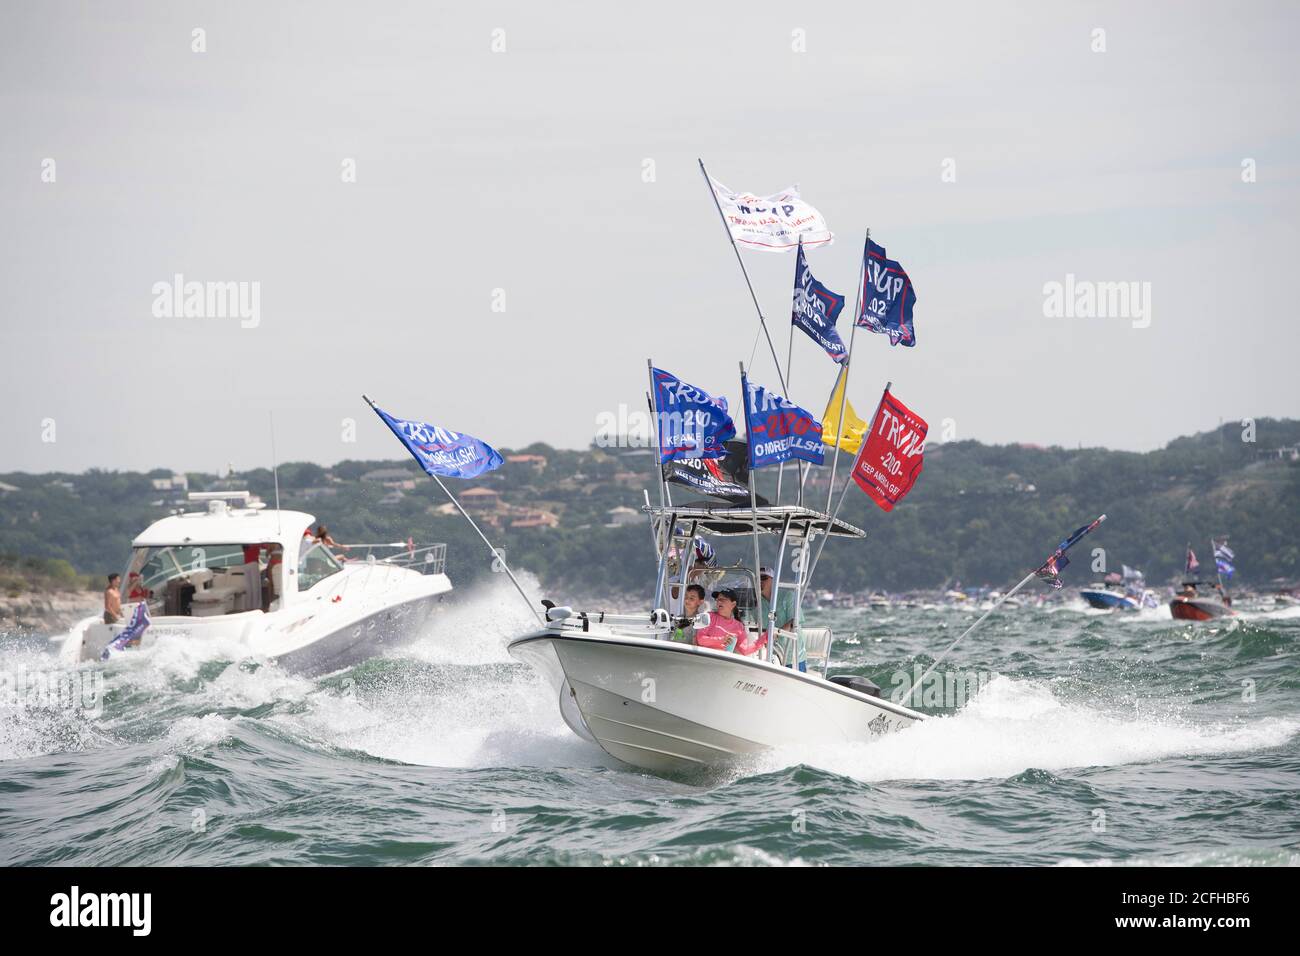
[725, 630]
[323, 538]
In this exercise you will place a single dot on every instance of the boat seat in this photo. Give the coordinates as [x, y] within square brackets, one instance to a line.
[211, 603]
[817, 644]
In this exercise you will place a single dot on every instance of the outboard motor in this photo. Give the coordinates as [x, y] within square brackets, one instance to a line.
[863, 685]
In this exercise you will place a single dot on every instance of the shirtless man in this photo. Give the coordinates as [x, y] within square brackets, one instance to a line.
[112, 600]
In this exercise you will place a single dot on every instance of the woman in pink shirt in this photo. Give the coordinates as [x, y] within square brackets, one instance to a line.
[725, 631]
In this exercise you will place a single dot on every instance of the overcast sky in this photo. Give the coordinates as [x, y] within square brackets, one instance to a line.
[524, 171]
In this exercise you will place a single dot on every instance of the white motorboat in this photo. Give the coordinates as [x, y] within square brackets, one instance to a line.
[657, 703]
[238, 571]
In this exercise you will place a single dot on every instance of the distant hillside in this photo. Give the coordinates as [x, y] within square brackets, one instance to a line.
[980, 514]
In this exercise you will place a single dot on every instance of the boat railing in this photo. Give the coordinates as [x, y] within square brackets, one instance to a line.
[427, 559]
[653, 624]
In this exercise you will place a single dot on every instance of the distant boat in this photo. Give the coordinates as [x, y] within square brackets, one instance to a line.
[1120, 592]
[1109, 599]
[1193, 605]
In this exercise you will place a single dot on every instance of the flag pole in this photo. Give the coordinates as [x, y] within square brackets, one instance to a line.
[496, 555]
[665, 495]
[789, 363]
[745, 272]
[753, 498]
[1214, 555]
[1065, 545]
[848, 362]
[848, 479]
[920, 680]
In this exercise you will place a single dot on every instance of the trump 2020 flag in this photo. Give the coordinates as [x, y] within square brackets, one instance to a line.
[692, 423]
[771, 223]
[892, 457]
[719, 477]
[778, 429]
[887, 297]
[816, 308]
[441, 451]
[132, 633]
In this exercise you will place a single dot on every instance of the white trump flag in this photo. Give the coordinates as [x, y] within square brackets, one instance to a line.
[771, 223]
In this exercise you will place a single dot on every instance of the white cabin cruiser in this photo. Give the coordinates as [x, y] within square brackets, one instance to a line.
[240, 571]
[630, 684]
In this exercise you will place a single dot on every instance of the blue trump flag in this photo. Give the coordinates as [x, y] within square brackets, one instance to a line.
[691, 422]
[887, 297]
[778, 429]
[132, 633]
[441, 451]
[1223, 558]
[816, 308]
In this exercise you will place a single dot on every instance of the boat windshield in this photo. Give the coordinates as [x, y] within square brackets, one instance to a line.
[204, 580]
[152, 568]
[315, 565]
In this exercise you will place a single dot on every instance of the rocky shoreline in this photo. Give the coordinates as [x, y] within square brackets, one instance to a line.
[48, 611]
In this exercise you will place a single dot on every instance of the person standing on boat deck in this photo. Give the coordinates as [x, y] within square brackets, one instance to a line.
[274, 561]
[252, 578]
[684, 633]
[112, 600]
[784, 602]
[784, 612]
[725, 631]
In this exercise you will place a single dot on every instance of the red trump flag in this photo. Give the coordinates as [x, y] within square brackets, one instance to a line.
[891, 458]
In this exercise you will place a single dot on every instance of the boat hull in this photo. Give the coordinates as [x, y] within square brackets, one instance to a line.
[1196, 609]
[669, 707]
[310, 638]
[1108, 600]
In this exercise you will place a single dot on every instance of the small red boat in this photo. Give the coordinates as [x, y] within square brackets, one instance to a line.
[1198, 608]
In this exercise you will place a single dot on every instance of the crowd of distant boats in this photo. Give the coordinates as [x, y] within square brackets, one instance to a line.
[1280, 594]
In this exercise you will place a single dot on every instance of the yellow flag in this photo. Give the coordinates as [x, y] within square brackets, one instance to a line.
[854, 427]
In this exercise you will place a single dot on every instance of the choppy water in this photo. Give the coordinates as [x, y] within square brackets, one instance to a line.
[1095, 738]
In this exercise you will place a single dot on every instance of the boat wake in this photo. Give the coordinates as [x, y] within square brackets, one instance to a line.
[1016, 725]
[451, 698]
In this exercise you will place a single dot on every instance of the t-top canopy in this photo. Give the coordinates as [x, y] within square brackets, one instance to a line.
[727, 519]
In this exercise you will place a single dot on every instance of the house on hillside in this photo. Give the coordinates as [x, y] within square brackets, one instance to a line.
[396, 478]
[622, 516]
[531, 518]
[1019, 484]
[536, 462]
[482, 501]
[312, 494]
